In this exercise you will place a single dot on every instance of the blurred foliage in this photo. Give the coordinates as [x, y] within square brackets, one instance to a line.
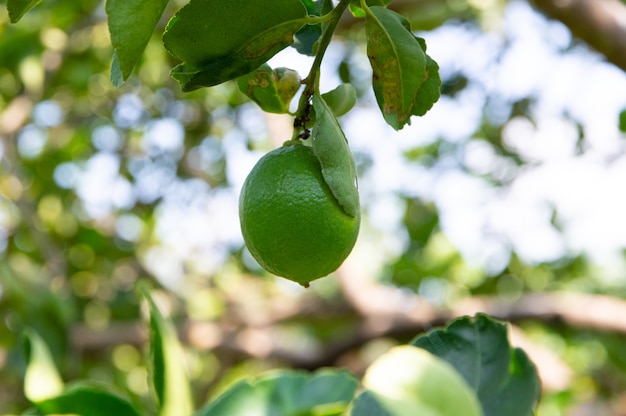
[90, 176]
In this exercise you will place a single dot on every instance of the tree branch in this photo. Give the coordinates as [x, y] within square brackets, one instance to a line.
[599, 23]
[377, 311]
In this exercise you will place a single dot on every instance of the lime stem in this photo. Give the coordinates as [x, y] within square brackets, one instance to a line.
[311, 82]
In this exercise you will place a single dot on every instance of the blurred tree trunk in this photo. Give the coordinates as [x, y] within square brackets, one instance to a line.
[599, 23]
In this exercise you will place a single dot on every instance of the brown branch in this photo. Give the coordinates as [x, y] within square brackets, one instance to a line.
[15, 115]
[398, 308]
[378, 311]
[384, 312]
[372, 299]
[578, 310]
[599, 23]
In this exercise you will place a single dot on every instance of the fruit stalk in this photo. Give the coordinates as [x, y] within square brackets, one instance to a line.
[311, 82]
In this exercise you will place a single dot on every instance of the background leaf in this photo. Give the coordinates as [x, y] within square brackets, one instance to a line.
[218, 41]
[131, 24]
[622, 121]
[479, 350]
[331, 149]
[357, 10]
[17, 8]
[287, 393]
[169, 378]
[88, 399]
[411, 381]
[398, 62]
[42, 379]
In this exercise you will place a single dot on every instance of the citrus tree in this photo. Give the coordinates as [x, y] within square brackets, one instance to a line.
[74, 256]
[300, 215]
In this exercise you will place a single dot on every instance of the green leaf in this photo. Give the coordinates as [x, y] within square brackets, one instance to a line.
[169, 378]
[88, 399]
[271, 89]
[330, 146]
[305, 40]
[622, 121]
[131, 24]
[288, 82]
[366, 405]
[117, 77]
[341, 99]
[478, 348]
[430, 90]
[358, 11]
[410, 381]
[287, 392]
[318, 7]
[221, 40]
[521, 393]
[480, 351]
[42, 379]
[32, 412]
[398, 62]
[17, 8]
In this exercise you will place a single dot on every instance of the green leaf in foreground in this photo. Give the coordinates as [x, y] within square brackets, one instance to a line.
[521, 393]
[17, 8]
[271, 89]
[221, 40]
[405, 80]
[287, 392]
[330, 146]
[409, 381]
[131, 24]
[42, 379]
[341, 99]
[430, 90]
[479, 349]
[88, 399]
[169, 378]
[398, 62]
[365, 404]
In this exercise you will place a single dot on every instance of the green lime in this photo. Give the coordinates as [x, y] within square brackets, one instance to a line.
[291, 222]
